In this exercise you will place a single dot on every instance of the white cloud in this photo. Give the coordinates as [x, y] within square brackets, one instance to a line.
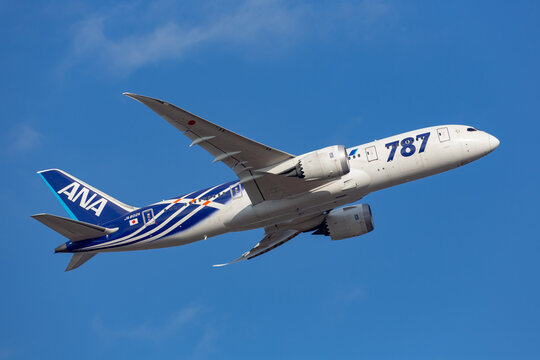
[22, 138]
[350, 296]
[205, 346]
[6, 353]
[252, 21]
[188, 326]
[257, 24]
[149, 331]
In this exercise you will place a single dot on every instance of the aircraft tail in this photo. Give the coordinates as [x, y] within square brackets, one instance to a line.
[82, 201]
[75, 231]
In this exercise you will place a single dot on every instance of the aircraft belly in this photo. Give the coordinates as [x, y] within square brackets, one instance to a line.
[329, 196]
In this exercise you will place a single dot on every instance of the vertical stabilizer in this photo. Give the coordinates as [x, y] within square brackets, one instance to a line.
[82, 201]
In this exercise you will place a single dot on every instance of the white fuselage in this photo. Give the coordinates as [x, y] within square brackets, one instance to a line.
[373, 166]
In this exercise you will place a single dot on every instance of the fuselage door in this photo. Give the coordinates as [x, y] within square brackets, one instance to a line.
[236, 192]
[443, 133]
[371, 153]
[148, 217]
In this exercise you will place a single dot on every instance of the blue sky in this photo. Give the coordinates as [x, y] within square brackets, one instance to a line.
[451, 270]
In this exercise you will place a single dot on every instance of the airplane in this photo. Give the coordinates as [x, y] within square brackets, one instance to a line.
[283, 193]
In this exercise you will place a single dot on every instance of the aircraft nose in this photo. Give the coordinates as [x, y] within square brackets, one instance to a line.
[493, 142]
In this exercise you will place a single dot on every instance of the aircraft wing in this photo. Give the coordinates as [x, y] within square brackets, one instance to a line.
[269, 242]
[279, 234]
[244, 156]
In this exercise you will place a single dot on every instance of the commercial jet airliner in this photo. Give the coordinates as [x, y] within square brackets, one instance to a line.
[283, 193]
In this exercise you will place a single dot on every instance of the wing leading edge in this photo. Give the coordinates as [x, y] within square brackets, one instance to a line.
[239, 153]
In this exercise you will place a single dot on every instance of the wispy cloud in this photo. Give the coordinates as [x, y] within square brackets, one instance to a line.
[6, 353]
[22, 138]
[350, 296]
[189, 325]
[251, 25]
[149, 331]
[205, 345]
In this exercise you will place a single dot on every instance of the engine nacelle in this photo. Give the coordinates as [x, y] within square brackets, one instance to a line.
[347, 222]
[326, 163]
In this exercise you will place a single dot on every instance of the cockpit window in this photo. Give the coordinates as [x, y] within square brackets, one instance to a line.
[471, 129]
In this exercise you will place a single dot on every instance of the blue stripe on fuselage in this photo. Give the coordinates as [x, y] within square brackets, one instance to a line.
[125, 229]
[226, 197]
[210, 193]
[169, 229]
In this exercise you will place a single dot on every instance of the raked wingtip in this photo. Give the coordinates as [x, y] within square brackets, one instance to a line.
[219, 265]
[229, 263]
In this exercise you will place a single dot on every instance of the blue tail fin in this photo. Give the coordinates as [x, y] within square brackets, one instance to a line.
[82, 201]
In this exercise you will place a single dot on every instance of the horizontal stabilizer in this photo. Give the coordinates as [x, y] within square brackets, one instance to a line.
[72, 229]
[78, 259]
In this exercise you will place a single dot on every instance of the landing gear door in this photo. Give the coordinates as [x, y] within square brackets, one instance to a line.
[443, 133]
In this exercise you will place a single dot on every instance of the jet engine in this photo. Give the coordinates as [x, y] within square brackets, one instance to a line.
[347, 222]
[326, 163]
